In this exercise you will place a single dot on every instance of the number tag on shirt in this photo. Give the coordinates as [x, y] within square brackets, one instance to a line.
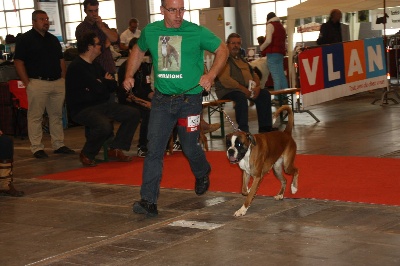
[193, 123]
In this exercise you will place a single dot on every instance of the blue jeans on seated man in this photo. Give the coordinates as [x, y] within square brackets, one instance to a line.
[275, 66]
[263, 107]
[99, 122]
[164, 114]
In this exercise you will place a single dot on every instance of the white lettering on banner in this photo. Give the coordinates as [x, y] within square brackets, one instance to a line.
[375, 57]
[170, 76]
[311, 73]
[354, 64]
[332, 75]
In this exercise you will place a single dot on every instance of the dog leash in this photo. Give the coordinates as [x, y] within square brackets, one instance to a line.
[226, 115]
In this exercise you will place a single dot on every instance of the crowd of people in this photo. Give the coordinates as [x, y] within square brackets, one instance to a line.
[164, 92]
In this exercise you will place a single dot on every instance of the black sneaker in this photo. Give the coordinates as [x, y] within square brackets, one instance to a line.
[177, 146]
[145, 207]
[40, 154]
[202, 185]
[64, 150]
[142, 152]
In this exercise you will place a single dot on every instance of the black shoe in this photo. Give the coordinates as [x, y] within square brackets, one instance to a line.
[142, 152]
[145, 207]
[202, 184]
[64, 150]
[40, 154]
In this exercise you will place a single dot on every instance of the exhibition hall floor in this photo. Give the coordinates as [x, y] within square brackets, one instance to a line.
[62, 222]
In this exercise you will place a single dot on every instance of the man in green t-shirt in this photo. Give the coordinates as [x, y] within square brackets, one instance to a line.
[177, 47]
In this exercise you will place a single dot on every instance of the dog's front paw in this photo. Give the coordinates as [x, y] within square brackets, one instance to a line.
[278, 197]
[241, 212]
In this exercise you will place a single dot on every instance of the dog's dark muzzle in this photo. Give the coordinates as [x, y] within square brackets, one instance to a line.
[231, 156]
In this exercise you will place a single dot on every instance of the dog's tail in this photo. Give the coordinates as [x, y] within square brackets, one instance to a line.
[290, 123]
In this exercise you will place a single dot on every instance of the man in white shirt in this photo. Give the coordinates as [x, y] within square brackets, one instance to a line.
[129, 33]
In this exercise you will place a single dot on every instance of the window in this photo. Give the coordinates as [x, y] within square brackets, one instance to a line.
[260, 9]
[15, 16]
[192, 10]
[74, 14]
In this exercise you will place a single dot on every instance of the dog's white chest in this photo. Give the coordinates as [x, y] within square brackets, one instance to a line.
[164, 50]
[244, 164]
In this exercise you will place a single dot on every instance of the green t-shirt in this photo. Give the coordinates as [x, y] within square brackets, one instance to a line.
[178, 55]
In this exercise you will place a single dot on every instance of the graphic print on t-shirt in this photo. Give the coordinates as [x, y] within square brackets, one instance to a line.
[169, 51]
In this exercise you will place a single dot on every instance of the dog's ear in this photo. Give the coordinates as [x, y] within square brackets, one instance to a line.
[167, 38]
[251, 138]
[228, 140]
[161, 37]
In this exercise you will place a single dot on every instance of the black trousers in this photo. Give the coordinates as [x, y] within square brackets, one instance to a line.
[6, 148]
[99, 120]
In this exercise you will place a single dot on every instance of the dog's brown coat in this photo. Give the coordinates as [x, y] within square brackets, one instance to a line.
[276, 150]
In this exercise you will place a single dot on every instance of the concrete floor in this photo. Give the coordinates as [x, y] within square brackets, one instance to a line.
[66, 223]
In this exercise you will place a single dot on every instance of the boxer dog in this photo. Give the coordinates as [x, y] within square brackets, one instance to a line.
[257, 154]
[167, 52]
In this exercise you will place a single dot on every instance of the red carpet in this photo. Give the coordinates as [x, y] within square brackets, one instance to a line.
[355, 179]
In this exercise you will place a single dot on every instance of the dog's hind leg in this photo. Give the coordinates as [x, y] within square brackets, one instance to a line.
[278, 172]
[176, 59]
[292, 170]
[169, 61]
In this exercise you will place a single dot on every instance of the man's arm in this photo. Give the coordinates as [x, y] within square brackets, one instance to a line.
[111, 35]
[257, 88]
[133, 63]
[221, 55]
[268, 37]
[123, 44]
[21, 71]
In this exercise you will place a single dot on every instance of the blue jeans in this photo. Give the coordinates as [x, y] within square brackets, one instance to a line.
[99, 122]
[275, 66]
[263, 106]
[164, 114]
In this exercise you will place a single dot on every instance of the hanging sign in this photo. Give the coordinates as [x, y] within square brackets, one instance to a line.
[51, 8]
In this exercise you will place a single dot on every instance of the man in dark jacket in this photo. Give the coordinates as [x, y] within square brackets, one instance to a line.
[88, 90]
[331, 31]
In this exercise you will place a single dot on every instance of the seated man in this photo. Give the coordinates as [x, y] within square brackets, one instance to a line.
[232, 84]
[6, 167]
[88, 90]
